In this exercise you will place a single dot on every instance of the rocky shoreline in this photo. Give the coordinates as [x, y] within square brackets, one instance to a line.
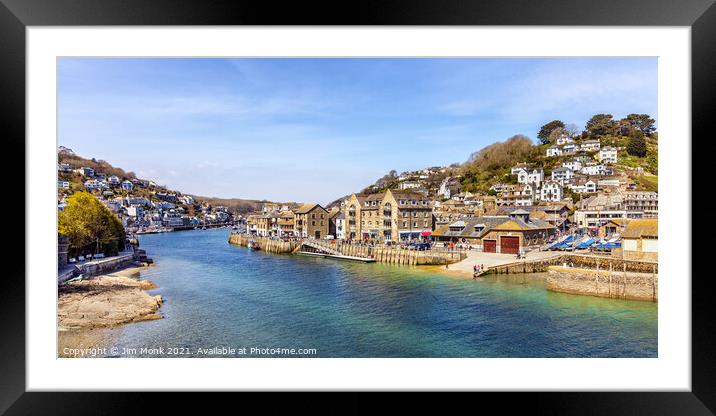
[86, 307]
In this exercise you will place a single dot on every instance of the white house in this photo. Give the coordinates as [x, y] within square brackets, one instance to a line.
[594, 170]
[409, 185]
[113, 180]
[554, 151]
[63, 185]
[64, 167]
[135, 211]
[448, 187]
[127, 185]
[569, 148]
[523, 201]
[590, 146]
[562, 175]
[498, 187]
[521, 166]
[584, 187]
[574, 164]
[607, 155]
[530, 190]
[551, 191]
[564, 139]
[92, 184]
[530, 176]
[340, 225]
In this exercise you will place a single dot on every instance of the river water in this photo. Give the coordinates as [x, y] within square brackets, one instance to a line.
[223, 296]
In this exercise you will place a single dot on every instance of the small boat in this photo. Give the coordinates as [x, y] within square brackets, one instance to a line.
[253, 245]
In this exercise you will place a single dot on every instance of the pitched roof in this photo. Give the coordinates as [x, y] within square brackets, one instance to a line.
[306, 208]
[642, 228]
[519, 225]
[406, 194]
[485, 223]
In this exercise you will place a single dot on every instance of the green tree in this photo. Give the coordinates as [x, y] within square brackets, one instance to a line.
[601, 125]
[652, 162]
[547, 129]
[637, 144]
[641, 122]
[90, 226]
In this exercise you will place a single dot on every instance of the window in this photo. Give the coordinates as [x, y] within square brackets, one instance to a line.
[415, 213]
[321, 216]
[405, 214]
[313, 215]
[405, 223]
[415, 224]
[313, 223]
[425, 224]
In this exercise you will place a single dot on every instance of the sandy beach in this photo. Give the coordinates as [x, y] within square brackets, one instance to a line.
[86, 309]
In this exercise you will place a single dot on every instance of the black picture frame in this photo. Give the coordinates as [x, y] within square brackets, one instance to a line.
[16, 15]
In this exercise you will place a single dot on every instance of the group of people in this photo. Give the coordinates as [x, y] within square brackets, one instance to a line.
[477, 269]
[452, 246]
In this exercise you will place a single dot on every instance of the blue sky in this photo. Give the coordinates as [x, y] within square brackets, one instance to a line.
[312, 130]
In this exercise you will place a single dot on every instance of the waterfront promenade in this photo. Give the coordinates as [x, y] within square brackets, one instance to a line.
[491, 260]
[344, 249]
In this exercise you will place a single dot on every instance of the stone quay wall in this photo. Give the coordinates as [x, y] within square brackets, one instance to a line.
[265, 244]
[102, 266]
[600, 263]
[604, 283]
[379, 253]
[395, 255]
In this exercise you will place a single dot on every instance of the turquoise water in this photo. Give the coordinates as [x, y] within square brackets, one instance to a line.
[219, 295]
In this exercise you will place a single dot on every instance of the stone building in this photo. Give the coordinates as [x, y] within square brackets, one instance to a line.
[286, 223]
[311, 220]
[642, 201]
[406, 216]
[507, 234]
[640, 240]
[389, 216]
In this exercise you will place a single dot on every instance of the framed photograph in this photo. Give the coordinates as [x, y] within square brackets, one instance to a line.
[395, 200]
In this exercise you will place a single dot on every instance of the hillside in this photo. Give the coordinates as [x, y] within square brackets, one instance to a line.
[144, 188]
[634, 136]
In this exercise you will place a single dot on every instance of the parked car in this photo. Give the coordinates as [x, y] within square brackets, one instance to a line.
[419, 246]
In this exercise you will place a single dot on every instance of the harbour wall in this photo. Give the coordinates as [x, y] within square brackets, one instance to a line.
[604, 283]
[395, 255]
[379, 254]
[265, 244]
[97, 267]
[599, 263]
